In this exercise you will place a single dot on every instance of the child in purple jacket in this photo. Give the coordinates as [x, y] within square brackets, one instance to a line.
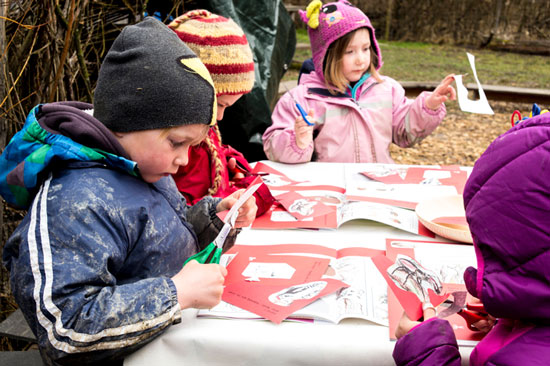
[507, 201]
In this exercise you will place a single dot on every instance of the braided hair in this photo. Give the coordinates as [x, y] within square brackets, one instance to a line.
[216, 160]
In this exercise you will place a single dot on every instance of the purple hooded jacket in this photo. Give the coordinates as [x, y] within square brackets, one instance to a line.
[507, 201]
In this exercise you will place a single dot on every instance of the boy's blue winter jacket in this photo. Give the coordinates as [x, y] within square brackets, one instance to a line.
[90, 264]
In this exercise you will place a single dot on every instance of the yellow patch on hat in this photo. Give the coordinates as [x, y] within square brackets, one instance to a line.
[195, 64]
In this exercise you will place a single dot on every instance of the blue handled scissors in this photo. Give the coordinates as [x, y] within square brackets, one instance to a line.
[300, 108]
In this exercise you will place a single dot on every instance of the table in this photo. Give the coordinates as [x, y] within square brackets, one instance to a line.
[206, 341]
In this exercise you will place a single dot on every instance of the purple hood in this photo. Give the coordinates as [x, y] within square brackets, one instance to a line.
[507, 201]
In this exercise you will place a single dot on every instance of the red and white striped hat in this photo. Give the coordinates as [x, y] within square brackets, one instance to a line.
[222, 47]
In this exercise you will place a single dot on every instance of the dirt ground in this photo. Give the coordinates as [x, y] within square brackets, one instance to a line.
[461, 138]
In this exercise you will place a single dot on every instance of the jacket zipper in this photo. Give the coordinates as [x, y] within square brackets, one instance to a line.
[355, 137]
[372, 150]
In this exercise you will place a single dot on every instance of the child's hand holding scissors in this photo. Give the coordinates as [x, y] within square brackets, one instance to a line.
[200, 286]
[406, 324]
[442, 93]
[486, 324]
[304, 131]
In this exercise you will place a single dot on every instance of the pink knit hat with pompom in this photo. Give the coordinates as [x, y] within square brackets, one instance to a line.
[326, 23]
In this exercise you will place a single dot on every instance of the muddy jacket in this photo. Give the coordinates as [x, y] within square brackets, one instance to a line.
[90, 264]
[507, 201]
[358, 127]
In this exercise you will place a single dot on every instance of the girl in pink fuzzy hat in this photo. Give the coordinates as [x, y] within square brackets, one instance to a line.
[354, 113]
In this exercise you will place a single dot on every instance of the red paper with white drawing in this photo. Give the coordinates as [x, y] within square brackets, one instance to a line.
[450, 175]
[275, 286]
[365, 298]
[416, 269]
[273, 178]
[302, 207]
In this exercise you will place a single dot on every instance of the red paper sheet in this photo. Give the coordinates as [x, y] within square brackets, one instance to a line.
[275, 286]
[416, 175]
[400, 300]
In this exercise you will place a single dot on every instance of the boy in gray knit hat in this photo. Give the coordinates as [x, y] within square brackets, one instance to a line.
[96, 264]
[145, 84]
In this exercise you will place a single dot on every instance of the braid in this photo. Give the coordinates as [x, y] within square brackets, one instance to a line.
[216, 160]
[218, 134]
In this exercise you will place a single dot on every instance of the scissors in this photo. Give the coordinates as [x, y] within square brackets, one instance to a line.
[300, 108]
[211, 254]
[535, 111]
[471, 312]
[213, 251]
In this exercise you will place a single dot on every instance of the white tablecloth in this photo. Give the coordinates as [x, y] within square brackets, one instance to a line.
[204, 341]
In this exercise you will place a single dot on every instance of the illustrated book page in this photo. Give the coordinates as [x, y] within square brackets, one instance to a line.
[417, 272]
[306, 205]
[363, 293]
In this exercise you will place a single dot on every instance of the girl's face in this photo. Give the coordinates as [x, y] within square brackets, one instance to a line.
[160, 152]
[224, 101]
[356, 57]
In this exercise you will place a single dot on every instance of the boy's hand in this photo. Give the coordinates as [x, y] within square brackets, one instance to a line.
[406, 324]
[442, 93]
[199, 286]
[303, 131]
[247, 212]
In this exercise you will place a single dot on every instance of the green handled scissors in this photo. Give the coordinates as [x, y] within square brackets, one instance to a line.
[210, 254]
[213, 251]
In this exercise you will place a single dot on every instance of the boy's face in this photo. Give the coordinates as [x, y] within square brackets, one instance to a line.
[159, 153]
[356, 58]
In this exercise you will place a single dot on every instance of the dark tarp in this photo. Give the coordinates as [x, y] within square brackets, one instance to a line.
[272, 37]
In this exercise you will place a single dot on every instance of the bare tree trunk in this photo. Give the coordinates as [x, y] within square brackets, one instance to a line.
[4, 277]
[389, 18]
[3, 78]
[494, 29]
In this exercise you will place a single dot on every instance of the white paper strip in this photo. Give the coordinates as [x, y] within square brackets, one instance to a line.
[467, 105]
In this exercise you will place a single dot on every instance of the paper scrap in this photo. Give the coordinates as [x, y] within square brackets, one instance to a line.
[467, 105]
[233, 213]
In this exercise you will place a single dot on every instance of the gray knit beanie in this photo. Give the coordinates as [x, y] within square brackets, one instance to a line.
[150, 79]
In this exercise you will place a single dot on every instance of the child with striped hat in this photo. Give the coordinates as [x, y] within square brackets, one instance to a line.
[216, 169]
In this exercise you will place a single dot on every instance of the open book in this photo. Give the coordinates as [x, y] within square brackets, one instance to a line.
[306, 205]
[364, 296]
[401, 185]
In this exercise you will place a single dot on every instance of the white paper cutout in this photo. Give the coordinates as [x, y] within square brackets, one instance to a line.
[467, 105]
[256, 270]
[233, 213]
[436, 174]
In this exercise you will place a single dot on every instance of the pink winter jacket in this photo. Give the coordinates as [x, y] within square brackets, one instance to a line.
[347, 130]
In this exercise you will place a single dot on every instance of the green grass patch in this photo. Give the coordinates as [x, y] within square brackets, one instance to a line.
[301, 35]
[405, 45]
[416, 61]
